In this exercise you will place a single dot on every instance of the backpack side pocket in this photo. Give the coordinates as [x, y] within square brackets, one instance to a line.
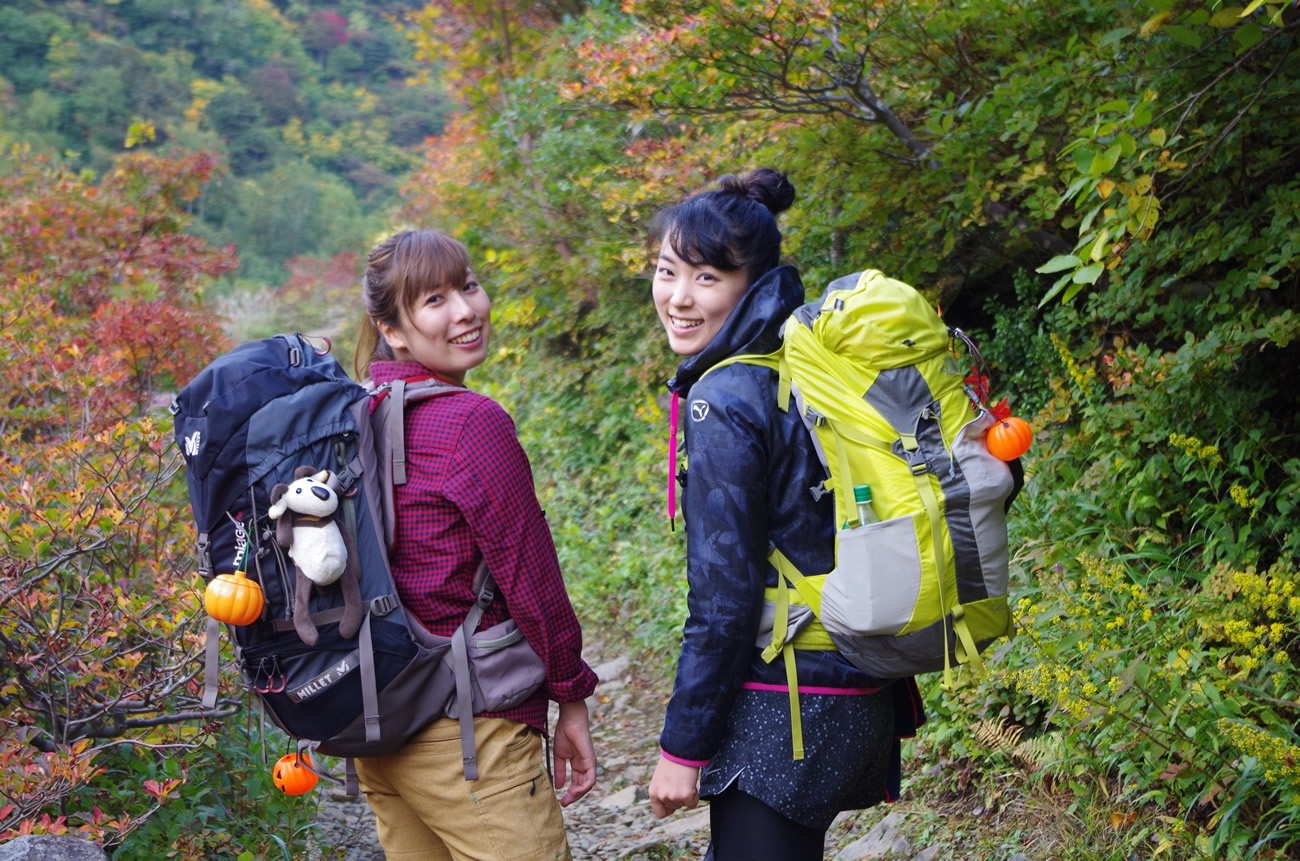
[504, 667]
[876, 584]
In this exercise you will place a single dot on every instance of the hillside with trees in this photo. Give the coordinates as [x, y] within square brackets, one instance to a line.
[306, 108]
[1104, 195]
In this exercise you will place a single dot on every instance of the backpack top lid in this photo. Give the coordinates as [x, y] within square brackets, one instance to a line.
[251, 408]
[878, 322]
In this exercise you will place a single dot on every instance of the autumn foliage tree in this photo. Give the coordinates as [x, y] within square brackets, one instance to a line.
[1105, 194]
[100, 317]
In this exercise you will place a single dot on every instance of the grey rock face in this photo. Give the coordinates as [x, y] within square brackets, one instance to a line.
[46, 847]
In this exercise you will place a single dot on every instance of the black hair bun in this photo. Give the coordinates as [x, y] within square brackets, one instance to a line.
[764, 185]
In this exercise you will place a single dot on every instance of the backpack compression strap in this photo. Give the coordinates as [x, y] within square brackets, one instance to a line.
[813, 637]
[460, 645]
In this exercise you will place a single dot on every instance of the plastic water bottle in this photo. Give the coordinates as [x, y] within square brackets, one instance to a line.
[862, 496]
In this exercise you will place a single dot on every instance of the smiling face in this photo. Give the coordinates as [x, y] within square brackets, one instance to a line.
[693, 301]
[446, 330]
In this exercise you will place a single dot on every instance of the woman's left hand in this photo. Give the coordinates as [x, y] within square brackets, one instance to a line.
[575, 756]
[673, 786]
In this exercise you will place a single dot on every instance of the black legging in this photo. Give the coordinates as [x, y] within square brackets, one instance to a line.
[746, 829]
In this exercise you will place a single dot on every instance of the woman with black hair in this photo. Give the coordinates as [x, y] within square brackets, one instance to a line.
[719, 291]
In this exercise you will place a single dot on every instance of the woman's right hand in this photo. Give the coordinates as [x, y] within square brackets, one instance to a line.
[673, 786]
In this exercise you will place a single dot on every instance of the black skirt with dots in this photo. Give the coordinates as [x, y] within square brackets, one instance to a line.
[851, 751]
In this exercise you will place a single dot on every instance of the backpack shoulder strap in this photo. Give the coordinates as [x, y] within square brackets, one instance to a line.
[387, 426]
[388, 413]
[775, 360]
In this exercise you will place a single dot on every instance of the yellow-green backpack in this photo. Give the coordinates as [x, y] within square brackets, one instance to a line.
[872, 371]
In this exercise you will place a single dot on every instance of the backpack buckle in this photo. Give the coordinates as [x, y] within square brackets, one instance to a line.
[383, 605]
[203, 545]
[818, 491]
[920, 467]
[175, 406]
[346, 480]
[486, 596]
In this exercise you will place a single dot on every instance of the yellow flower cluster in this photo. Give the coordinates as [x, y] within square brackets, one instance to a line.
[1273, 592]
[1271, 608]
[1193, 447]
[1279, 757]
[1083, 377]
[1111, 600]
[1071, 691]
[1243, 498]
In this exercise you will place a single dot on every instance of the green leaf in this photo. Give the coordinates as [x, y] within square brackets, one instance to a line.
[1113, 105]
[1088, 274]
[1103, 162]
[1059, 263]
[1228, 16]
[1248, 36]
[1075, 188]
[1128, 146]
[1083, 157]
[1157, 136]
[1086, 225]
[1074, 290]
[1184, 35]
[1056, 288]
[1115, 36]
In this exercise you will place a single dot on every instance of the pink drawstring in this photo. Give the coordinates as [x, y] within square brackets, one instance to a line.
[672, 462]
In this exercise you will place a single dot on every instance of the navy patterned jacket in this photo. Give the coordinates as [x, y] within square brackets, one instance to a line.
[750, 467]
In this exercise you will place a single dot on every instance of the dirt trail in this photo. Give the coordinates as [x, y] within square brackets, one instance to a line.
[614, 821]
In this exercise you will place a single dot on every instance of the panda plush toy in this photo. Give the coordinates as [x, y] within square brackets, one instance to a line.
[322, 553]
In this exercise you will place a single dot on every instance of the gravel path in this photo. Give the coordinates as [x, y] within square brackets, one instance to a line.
[614, 822]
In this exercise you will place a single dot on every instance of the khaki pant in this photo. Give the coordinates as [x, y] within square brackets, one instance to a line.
[426, 810]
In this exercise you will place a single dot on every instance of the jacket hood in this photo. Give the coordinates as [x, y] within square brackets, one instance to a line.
[754, 325]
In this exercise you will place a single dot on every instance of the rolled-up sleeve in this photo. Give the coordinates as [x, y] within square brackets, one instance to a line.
[491, 482]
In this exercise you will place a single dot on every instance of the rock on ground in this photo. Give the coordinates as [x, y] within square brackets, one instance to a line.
[50, 848]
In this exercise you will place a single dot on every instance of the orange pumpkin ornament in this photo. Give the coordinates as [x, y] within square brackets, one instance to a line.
[1009, 438]
[292, 774]
[233, 598]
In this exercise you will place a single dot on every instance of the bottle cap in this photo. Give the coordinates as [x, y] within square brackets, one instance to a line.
[862, 493]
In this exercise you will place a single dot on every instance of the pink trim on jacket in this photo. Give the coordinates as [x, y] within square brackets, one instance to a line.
[810, 689]
[693, 763]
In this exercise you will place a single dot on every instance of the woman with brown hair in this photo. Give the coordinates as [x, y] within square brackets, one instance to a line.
[469, 498]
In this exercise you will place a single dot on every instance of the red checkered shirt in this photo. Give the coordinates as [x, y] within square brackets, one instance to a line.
[470, 496]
